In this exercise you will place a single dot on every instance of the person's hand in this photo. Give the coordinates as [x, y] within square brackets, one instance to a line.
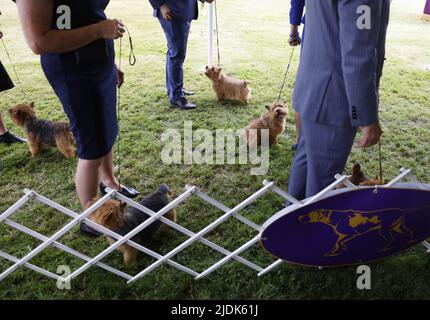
[370, 135]
[294, 39]
[120, 77]
[111, 29]
[166, 12]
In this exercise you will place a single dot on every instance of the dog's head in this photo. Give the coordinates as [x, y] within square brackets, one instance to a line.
[360, 179]
[110, 215]
[213, 72]
[21, 112]
[277, 110]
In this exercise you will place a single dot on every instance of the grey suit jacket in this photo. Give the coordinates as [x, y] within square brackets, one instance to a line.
[341, 65]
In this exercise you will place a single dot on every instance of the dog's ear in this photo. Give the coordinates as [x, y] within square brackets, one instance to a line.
[122, 206]
[267, 106]
[32, 105]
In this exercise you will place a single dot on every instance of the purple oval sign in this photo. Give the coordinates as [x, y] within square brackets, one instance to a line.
[353, 227]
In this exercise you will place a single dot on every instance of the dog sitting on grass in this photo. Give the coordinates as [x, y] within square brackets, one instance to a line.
[113, 215]
[228, 88]
[274, 121]
[43, 133]
[358, 178]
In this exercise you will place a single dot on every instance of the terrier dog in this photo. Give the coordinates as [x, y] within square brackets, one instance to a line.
[113, 215]
[43, 133]
[228, 88]
[274, 121]
[360, 179]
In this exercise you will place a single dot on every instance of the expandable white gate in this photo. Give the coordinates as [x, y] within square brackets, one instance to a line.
[5, 218]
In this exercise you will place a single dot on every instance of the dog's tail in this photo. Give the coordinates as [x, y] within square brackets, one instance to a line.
[164, 189]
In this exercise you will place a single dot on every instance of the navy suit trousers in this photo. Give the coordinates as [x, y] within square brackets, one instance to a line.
[322, 153]
[177, 32]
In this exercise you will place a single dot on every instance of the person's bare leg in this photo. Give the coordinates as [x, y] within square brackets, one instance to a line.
[87, 179]
[298, 123]
[3, 128]
[106, 172]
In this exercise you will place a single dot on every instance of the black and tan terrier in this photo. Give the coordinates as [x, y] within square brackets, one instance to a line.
[113, 215]
[274, 121]
[358, 178]
[43, 133]
[227, 88]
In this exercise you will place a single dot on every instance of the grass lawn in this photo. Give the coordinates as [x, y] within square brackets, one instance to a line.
[253, 46]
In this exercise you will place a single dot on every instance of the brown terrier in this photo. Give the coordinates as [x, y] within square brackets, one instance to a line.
[43, 133]
[228, 88]
[358, 178]
[113, 215]
[274, 121]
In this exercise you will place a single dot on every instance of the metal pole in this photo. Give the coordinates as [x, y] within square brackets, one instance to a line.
[56, 236]
[187, 232]
[210, 34]
[203, 232]
[64, 248]
[131, 234]
[232, 255]
[110, 233]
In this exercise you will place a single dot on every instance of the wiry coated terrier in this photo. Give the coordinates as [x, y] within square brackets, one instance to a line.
[43, 133]
[113, 215]
[274, 121]
[358, 178]
[227, 88]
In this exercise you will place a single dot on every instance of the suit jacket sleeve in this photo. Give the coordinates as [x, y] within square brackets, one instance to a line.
[296, 12]
[360, 58]
[157, 4]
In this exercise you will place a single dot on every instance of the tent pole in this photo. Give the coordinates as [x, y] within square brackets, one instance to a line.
[210, 34]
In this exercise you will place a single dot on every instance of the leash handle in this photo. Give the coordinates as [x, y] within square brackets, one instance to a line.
[131, 57]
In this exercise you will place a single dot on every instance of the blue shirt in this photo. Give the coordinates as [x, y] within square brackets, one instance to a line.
[181, 9]
[296, 12]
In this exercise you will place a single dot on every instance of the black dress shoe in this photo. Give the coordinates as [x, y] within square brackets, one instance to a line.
[188, 93]
[9, 138]
[182, 104]
[185, 92]
[85, 229]
[125, 191]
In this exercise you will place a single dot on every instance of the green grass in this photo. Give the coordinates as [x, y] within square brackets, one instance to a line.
[253, 46]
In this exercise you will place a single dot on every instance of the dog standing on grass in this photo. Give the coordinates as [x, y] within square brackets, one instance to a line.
[43, 133]
[113, 215]
[274, 121]
[228, 88]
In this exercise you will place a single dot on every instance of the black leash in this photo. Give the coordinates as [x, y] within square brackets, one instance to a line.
[118, 114]
[380, 160]
[286, 75]
[18, 79]
[132, 61]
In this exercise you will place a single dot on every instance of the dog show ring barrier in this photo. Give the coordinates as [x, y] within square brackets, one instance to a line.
[319, 231]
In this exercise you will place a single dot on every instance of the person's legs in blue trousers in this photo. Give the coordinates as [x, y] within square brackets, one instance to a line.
[177, 32]
[322, 153]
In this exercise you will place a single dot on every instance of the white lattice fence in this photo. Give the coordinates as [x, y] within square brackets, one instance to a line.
[193, 237]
